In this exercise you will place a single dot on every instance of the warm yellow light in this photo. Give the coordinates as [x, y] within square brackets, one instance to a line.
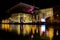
[18, 29]
[24, 15]
[6, 21]
[10, 29]
[40, 31]
[27, 29]
[33, 29]
[3, 26]
[51, 33]
[3, 21]
[7, 27]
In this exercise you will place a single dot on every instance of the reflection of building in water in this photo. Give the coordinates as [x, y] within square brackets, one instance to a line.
[34, 27]
[18, 29]
[51, 32]
[27, 29]
[15, 18]
[5, 26]
[27, 18]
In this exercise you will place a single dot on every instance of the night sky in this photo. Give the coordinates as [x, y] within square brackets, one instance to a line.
[6, 4]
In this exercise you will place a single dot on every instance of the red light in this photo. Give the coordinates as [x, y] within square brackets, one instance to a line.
[30, 10]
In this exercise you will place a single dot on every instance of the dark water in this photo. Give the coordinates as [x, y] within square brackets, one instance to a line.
[6, 35]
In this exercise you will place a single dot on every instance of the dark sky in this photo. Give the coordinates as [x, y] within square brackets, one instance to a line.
[6, 4]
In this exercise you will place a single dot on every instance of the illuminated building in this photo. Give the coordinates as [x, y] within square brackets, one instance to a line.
[29, 15]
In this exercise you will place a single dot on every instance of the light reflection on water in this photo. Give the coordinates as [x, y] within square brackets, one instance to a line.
[27, 29]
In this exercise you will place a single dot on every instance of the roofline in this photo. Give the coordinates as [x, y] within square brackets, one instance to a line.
[17, 5]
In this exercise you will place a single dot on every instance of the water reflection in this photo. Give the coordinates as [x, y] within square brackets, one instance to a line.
[29, 29]
[35, 32]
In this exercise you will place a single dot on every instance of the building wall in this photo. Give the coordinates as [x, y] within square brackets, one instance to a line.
[48, 12]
